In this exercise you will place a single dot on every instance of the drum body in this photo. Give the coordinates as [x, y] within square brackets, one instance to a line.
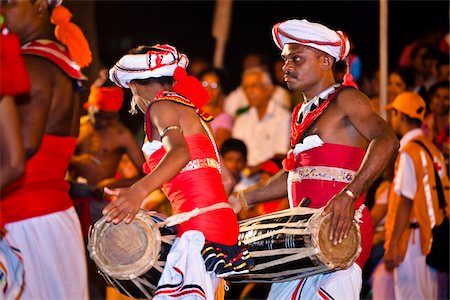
[131, 257]
[293, 243]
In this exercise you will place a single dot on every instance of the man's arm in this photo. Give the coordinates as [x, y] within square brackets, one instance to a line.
[391, 257]
[136, 157]
[274, 188]
[128, 202]
[13, 158]
[356, 108]
[34, 124]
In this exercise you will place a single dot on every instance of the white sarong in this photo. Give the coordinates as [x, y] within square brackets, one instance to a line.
[185, 276]
[53, 254]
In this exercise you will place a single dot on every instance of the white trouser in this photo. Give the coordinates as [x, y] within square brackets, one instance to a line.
[344, 284]
[53, 254]
[413, 278]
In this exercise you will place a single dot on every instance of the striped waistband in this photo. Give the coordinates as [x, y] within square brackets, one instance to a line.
[322, 173]
[200, 163]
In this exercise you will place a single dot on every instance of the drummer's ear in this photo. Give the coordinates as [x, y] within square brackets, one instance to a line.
[305, 202]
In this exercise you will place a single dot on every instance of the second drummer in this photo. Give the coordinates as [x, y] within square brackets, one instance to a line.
[339, 147]
[182, 159]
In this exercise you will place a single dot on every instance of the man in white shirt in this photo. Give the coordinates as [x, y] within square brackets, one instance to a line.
[264, 128]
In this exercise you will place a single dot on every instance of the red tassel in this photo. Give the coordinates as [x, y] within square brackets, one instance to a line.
[71, 35]
[14, 78]
[289, 162]
[190, 87]
[348, 81]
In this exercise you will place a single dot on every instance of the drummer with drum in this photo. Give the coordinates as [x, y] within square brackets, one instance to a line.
[339, 147]
[183, 160]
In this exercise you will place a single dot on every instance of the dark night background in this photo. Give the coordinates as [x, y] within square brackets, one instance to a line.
[187, 25]
[121, 25]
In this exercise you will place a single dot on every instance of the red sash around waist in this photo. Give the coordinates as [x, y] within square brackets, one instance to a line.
[200, 187]
[321, 191]
[43, 189]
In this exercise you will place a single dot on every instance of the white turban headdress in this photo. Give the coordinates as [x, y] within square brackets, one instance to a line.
[159, 61]
[314, 35]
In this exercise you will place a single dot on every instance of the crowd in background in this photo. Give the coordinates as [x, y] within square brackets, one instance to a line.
[251, 129]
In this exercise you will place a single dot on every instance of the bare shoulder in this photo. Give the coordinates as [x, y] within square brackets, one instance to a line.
[351, 101]
[39, 71]
[352, 96]
[165, 109]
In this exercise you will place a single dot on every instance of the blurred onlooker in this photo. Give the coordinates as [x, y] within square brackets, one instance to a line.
[236, 102]
[264, 127]
[212, 80]
[436, 123]
[408, 229]
[400, 80]
[197, 65]
[420, 58]
[443, 67]
[102, 141]
[234, 153]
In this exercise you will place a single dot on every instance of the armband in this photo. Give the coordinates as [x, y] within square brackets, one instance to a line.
[173, 127]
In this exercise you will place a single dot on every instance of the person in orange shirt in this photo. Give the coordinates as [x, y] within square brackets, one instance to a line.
[413, 206]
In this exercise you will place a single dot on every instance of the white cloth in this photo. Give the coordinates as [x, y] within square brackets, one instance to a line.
[309, 142]
[405, 182]
[344, 284]
[151, 147]
[315, 35]
[266, 137]
[11, 272]
[159, 62]
[53, 255]
[413, 278]
[237, 99]
[185, 276]
[382, 283]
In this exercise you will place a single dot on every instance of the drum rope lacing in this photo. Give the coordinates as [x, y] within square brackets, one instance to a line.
[183, 217]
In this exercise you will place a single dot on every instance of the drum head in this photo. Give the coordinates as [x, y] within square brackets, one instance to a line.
[125, 251]
[341, 255]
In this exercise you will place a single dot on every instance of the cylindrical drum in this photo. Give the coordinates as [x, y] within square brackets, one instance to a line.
[131, 257]
[293, 243]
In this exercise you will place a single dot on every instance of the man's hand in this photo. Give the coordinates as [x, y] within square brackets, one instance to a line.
[124, 204]
[235, 203]
[391, 258]
[342, 210]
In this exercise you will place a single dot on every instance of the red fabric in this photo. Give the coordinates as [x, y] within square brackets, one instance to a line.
[297, 129]
[200, 188]
[105, 98]
[14, 78]
[83, 206]
[321, 191]
[43, 189]
[56, 53]
[190, 87]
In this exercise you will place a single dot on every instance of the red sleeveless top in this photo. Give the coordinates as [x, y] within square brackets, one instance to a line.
[199, 187]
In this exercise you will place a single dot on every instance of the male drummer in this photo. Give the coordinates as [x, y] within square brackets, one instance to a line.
[36, 209]
[339, 147]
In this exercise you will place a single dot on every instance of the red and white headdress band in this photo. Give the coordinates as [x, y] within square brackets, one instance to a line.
[313, 35]
[161, 60]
